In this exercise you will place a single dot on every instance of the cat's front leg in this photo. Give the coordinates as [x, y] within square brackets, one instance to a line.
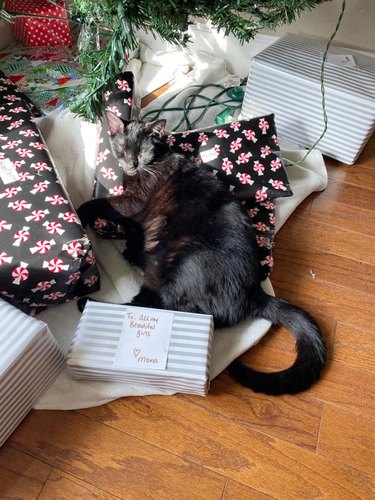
[110, 224]
[129, 206]
[95, 209]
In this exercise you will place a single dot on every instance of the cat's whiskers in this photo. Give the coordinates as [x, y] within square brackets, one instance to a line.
[150, 171]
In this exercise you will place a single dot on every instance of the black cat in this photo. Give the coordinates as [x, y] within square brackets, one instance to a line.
[199, 250]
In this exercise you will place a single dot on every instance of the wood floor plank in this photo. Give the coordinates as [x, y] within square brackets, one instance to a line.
[348, 194]
[334, 269]
[344, 386]
[361, 173]
[318, 239]
[342, 216]
[62, 486]
[267, 464]
[146, 100]
[348, 438]
[350, 385]
[293, 419]
[355, 347]
[342, 304]
[363, 177]
[111, 460]
[21, 476]
[238, 491]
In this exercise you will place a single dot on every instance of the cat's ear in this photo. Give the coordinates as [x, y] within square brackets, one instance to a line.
[157, 127]
[115, 124]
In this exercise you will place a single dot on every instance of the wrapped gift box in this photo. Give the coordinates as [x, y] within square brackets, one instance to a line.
[46, 257]
[30, 360]
[38, 31]
[105, 347]
[125, 102]
[285, 79]
[51, 77]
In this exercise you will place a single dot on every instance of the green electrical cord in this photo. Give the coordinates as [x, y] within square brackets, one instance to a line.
[233, 103]
[322, 86]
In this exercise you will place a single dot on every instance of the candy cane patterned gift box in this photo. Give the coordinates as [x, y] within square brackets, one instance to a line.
[30, 360]
[168, 350]
[285, 79]
[45, 255]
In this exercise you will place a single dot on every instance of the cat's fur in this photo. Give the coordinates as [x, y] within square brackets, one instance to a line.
[199, 250]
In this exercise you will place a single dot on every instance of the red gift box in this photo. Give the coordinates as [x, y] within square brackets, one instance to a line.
[39, 31]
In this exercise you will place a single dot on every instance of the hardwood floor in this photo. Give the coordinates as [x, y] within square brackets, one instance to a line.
[233, 444]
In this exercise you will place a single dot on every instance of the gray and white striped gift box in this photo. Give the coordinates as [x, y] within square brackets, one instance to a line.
[30, 360]
[94, 351]
[285, 79]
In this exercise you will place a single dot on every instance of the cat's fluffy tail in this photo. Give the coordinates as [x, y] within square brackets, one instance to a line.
[311, 353]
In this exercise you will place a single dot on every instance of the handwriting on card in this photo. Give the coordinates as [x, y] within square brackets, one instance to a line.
[144, 359]
[8, 172]
[145, 339]
[144, 324]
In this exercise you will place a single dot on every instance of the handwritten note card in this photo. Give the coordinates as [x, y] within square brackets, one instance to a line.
[8, 172]
[145, 339]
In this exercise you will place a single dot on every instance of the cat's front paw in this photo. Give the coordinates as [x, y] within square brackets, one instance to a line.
[84, 212]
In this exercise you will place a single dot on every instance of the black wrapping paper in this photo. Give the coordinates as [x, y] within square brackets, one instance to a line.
[46, 257]
[124, 101]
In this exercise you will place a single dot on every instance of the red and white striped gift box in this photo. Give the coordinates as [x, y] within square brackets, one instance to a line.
[51, 28]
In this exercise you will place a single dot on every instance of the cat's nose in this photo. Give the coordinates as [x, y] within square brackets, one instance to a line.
[131, 162]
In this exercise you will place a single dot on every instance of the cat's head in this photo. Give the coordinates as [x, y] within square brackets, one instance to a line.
[135, 144]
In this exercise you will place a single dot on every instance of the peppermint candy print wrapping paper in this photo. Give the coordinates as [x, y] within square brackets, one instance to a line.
[46, 257]
[244, 154]
[125, 102]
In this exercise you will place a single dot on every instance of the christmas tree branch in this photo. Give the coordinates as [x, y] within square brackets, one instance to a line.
[108, 30]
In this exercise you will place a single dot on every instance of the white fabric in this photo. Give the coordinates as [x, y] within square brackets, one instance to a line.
[180, 68]
[72, 144]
